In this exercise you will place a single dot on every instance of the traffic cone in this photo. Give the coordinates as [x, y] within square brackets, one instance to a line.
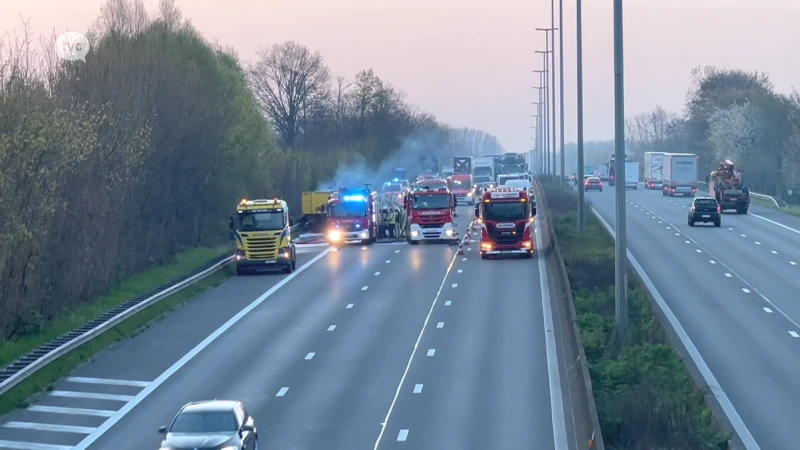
[460, 247]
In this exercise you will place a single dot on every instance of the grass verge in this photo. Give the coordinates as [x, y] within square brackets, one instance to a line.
[644, 393]
[185, 262]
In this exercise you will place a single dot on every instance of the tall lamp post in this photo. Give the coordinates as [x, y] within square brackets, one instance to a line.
[543, 116]
[549, 116]
[552, 66]
[620, 250]
[579, 52]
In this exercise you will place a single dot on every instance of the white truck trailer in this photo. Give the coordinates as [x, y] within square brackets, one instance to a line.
[653, 170]
[680, 174]
[632, 174]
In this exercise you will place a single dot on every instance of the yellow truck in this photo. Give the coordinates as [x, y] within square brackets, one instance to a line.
[261, 229]
[315, 211]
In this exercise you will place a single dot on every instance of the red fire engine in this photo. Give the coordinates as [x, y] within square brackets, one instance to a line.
[430, 215]
[506, 217]
[352, 216]
[461, 186]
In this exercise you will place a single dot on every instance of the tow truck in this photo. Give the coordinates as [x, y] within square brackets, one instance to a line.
[353, 216]
[430, 213]
[726, 185]
[263, 241]
[506, 217]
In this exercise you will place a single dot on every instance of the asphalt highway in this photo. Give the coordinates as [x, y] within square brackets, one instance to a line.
[389, 346]
[734, 290]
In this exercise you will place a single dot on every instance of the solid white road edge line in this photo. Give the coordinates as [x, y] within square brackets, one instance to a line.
[413, 352]
[778, 224]
[553, 373]
[90, 439]
[725, 403]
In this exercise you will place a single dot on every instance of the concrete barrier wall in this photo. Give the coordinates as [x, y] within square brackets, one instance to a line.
[587, 423]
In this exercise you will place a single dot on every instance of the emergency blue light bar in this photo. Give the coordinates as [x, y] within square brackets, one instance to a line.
[354, 198]
[396, 180]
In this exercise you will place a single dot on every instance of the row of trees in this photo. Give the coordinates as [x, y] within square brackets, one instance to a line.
[730, 114]
[114, 164]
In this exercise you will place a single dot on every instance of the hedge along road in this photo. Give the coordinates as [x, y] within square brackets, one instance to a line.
[354, 341]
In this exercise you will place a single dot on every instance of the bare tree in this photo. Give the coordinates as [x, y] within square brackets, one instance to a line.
[292, 84]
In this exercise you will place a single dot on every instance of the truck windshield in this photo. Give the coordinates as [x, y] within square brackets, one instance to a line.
[261, 221]
[460, 184]
[505, 211]
[482, 171]
[432, 202]
[348, 209]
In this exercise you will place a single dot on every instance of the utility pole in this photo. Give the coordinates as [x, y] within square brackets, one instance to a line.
[579, 33]
[543, 114]
[562, 183]
[539, 125]
[551, 65]
[620, 251]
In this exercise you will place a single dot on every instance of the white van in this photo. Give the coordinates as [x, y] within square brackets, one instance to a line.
[503, 179]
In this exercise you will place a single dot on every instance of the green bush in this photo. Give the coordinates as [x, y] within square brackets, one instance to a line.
[645, 396]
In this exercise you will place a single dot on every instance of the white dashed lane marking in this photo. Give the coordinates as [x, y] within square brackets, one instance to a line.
[365, 288]
[774, 252]
[349, 306]
[388, 261]
[310, 355]
[282, 392]
[745, 290]
[402, 436]
[431, 351]
[447, 303]
[418, 389]
[794, 334]
[440, 325]
[728, 275]
[712, 261]
[767, 310]
[377, 273]
[792, 263]
[332, 327]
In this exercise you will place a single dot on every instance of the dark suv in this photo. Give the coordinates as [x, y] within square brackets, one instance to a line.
[706, 210]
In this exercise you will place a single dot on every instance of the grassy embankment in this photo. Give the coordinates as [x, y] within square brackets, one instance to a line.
[185, 262]
[645, 397]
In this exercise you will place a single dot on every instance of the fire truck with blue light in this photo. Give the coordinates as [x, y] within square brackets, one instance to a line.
[506, 217]
[353, 216]
[263, 241]
[430, 215]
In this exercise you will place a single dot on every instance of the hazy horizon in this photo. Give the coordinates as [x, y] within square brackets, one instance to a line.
[471, 65]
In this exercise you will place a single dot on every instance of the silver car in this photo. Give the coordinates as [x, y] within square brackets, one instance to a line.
[211, 425]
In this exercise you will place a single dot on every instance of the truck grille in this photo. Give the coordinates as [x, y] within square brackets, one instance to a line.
[500, 237]
[257, 248]
[430, 221]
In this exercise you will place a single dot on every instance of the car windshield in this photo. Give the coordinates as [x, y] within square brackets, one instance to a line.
[261, 221]
[505, 211]
[482, 170]
[705, 202]
[505, 179]
[348, 209]
[428, 201]
[517, 184]
[205, 422]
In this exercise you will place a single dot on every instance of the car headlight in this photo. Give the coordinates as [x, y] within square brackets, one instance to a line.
[469, 194]
[364, 235]
[335, 235]
[448, 232]
[414, 233]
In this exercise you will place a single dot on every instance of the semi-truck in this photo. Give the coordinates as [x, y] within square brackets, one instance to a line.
[462, 165]
[483, 170]
[512, 163]
[263, 240]
[680, 174]
[653, 170]
[602, 172]
[506, 217]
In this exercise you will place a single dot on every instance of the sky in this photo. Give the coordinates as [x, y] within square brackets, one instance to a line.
[470, 62]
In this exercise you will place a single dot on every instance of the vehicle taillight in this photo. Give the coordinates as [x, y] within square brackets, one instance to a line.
[601, 183]
[612, 177]
[586, 184]
[719, 209]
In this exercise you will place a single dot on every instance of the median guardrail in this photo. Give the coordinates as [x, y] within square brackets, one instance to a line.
[30, 363]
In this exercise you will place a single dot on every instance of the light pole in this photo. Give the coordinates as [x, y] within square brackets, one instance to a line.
[540, 126]
[532, 163]
[550, 113]
[560, 83]
[552, 66]
[544, 117]
[579, 33]
[620, 250]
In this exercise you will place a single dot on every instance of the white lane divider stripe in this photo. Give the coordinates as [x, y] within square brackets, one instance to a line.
[310, 355]
[108, 382]
[73, 411]
[282, 392]
[49, 427]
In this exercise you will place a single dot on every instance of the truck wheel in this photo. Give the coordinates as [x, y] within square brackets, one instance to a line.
[691, 222]
[288, 269]
[240, 271]
[718, 223]
[413, 242]
[484, 256]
